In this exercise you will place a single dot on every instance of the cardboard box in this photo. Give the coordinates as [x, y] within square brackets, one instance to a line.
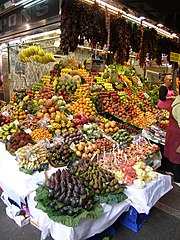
[20, 220]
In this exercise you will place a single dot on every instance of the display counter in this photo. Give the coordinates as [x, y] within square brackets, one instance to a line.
[18, 186]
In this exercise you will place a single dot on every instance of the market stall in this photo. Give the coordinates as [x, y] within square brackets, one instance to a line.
[76, 143]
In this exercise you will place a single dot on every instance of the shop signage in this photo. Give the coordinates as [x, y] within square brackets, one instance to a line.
[174, 57]
[33, 16]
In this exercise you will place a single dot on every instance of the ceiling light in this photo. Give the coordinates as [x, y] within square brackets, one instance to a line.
[33, 3]
[160, 25]
[20, 2]
[142, 18]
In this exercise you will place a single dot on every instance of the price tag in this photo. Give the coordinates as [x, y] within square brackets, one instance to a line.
[72, 146]
[8, 137]
[28, 131]
[44, 166]
[70, 117]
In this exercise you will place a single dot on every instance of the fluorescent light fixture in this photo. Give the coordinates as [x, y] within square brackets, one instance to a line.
[20, 2]
[142, 18]
[43, 34]
[160, 25]
[27, 26]
[33, 3]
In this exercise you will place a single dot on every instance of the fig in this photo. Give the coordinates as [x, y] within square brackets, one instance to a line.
[74, 203]
[76, 189]
[70, 212]
[57, 195]
[48, 183]
[51, 204]
[56, 207]
[51, 195]
[62, 197]
[66, 201]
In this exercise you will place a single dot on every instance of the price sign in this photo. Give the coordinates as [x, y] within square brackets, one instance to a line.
[174, 57]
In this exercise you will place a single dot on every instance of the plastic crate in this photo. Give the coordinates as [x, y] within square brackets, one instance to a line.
[109, 232]
[132, 219]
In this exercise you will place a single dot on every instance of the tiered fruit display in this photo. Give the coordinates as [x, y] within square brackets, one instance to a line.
[74, 136]
[104, 144]
[122, 137]
[45, 92]
[40, 133]
[79, 120]
[91, 132]
[163, 124]
[18, 140]
[96, 179]
[30, 94]
[64, 92]
[37, 86]
[19, 114]
[86, 149]
[129, 128]
[64, 189]
[83, 91]
[109, 127]
[32, 157]
[135, 173]
[4, 119]
[144, 119]
[28, 124]
[59, 155]
[7, 129]
[60, 124]
[81, 106]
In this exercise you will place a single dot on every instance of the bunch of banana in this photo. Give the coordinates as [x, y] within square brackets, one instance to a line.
[46, 79]
[83, 72]
[108, 86]
[7, 129]
[31, 156]
[65, 70]
[37, 54]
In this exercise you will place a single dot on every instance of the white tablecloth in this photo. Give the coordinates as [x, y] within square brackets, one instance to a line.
[16, 184]
[144, 199]
[86, 228]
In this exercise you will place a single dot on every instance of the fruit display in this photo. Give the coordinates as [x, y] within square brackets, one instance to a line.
[138, 174]
[122, 137]
[37, 86]
[64, 189]
[59, 155]
[81, 106]
[4, 119]
[96, 179]
[30, 95]
[45, 92]
[19, 114]
[32, 157]
[144, 119]
[163, 124]
[18, 140]
[40, 133]
[7, 129]
[86, 149]
[60, 123]
[74, 136]
[104, 144]
[129, 128]
[28, 124]
[79, 119]
[109, 127]
[91, 132]
[83, 91]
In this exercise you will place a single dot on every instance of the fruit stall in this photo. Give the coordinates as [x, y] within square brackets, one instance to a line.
[80, 145]
[74, 148]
